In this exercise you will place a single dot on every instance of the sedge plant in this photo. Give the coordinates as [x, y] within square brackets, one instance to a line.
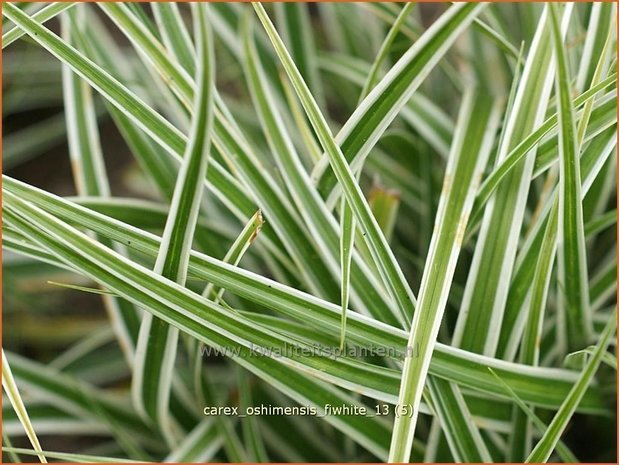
[292, 232]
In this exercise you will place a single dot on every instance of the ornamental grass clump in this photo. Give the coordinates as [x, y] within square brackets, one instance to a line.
[296, 232]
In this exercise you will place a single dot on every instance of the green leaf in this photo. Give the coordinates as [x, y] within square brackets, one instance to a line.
[592, 160]
[157, 127]
[385, 47]
[572, 260]
[347, 236]
[565, 454]
[520, 442]
[44, 14]
[156, 347]
[470, 151]
[175, 34]
[81, 399]
[200, 445]
[294, 22]
[246, 237]
[493, 180]
[235, 336]
[307, 316]
[251, 429]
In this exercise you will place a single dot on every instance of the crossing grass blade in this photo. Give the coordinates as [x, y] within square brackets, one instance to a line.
[372, 76]
[238, 248]
[204, 391]
[200, 445]
[347, 221]
[227, 140]
[318, 218]
[7, 447]
[592, 160]
[599, 28]
[155, 125]
[236, 151]
[272, 370]
[380, 107]
[565, 454]
[45, 14]
[529, 350]
[466, 163]
[549, 440]
[294, 21]
[125, 18]
[493, 180]
[156, 348]
[80, 399]
[420, 112]
[449, 363]
[391, 274]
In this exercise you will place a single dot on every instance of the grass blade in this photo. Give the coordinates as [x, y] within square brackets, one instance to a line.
[304, 388]
[75, 458]
[459, 366]
[347, 226]
[330, 130]
[600, 26]
[10, 387]
[318, 219]
[520, 442]
[572, 264]
[175, 34]
[565, 454]
[372, 76]
[551, 437]
[487, 287]
[200, 445]
[465, 441]
[347, 221]
[466, 164]
[593, 158]
[45, 14]
[391, 273]
[251, 429]
[380, 107]
[238, 248]
[294, 22]
[227, 140]
[90, 174]
[493, 180]
[419, 112]
[156, 349]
